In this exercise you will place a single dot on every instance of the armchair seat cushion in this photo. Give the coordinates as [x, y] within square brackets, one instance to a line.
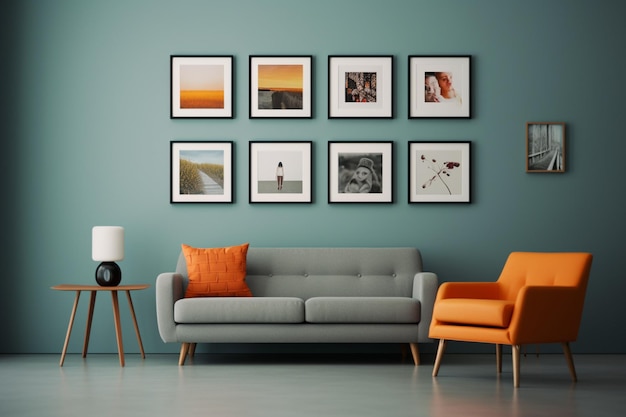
[476, 312]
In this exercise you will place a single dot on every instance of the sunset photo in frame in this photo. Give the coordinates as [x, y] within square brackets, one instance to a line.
[360, 172]
[439, 172]
[439, 86]
[201, 172]
[360, 86]
[280, 86]
[545, 147]
[201, 86]
[280, 172]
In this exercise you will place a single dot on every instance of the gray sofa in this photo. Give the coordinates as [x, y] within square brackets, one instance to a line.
[306, 295]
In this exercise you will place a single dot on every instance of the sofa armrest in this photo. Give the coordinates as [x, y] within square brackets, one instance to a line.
[169, 289]
[425, 286]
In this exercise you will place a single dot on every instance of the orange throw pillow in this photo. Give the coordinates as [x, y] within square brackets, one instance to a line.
[217, 272]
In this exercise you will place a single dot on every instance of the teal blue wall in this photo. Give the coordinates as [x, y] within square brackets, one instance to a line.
[86, 131]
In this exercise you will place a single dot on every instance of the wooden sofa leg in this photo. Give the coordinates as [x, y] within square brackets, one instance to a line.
[440, 350]
[516, 365]
[416, 353]
[184, 349]
[570, 360]
[192, 349]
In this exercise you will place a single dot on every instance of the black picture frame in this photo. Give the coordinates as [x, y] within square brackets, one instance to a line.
[280, 171]
[373, 158]
[201, 86]
[201, 171]
[360, 86]
[440, 86]
[439, 172]
[281, 86]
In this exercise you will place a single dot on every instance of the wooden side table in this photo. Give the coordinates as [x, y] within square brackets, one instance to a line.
[94, 289]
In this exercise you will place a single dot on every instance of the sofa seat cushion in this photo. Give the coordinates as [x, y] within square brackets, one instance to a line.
[239, 310]
[494, 313]
[362, 310]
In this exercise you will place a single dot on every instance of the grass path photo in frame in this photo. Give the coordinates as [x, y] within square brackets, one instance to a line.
[439, 172]
[201, 172]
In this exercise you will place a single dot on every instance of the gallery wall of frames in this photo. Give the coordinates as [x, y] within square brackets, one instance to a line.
[280, 87]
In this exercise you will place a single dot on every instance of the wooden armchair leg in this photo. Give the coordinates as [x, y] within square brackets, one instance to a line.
[440, 350]
[570, 360]
[516, 364]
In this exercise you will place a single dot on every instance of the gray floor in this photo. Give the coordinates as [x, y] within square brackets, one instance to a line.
[313, 385]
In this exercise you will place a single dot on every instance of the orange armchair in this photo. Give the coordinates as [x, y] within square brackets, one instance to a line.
[538, 298]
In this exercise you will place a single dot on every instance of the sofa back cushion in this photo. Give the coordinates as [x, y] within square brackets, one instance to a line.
[328, 272]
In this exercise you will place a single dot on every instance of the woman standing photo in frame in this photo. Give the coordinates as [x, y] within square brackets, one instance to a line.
[280, 174]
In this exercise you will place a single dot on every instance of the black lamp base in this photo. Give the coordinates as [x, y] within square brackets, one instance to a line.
[108, 274]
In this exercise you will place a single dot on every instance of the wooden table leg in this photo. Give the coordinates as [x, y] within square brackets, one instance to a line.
[118, 326]
[69, 328]
[132, 313]
[92, 303]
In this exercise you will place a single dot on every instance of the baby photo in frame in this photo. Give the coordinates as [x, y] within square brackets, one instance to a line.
[360, 172]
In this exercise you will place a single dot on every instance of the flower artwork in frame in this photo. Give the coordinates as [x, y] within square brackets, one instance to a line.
[545, 147]
[280, 172]
[201, 172]
[439, 86]
[280, 86]
[201, 86]
[360, 172]
[360, 86]
[439, 172]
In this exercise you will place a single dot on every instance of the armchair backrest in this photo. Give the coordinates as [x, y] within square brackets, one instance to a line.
[565, 269]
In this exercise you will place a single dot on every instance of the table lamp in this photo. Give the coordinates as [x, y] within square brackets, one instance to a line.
[107, 246]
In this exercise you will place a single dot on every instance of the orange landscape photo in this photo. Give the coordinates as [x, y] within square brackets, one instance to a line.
[280, 86]
[202, 87]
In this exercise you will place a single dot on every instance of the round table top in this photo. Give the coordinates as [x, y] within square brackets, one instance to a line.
[81, 287]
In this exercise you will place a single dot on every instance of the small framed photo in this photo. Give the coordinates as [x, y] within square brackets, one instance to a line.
[360, 86]
[439, 86]
[280, 172]
[360, 172]
[201, 86]
[201, 172]
[280, 86]
[545, 147]
[439, 172]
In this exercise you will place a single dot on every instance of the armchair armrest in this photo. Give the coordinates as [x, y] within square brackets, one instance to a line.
[480, 290]
[168, 289]
[425, 286]
[546, 314]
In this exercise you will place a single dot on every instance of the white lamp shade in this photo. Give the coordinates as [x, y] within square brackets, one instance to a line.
[107, 243]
